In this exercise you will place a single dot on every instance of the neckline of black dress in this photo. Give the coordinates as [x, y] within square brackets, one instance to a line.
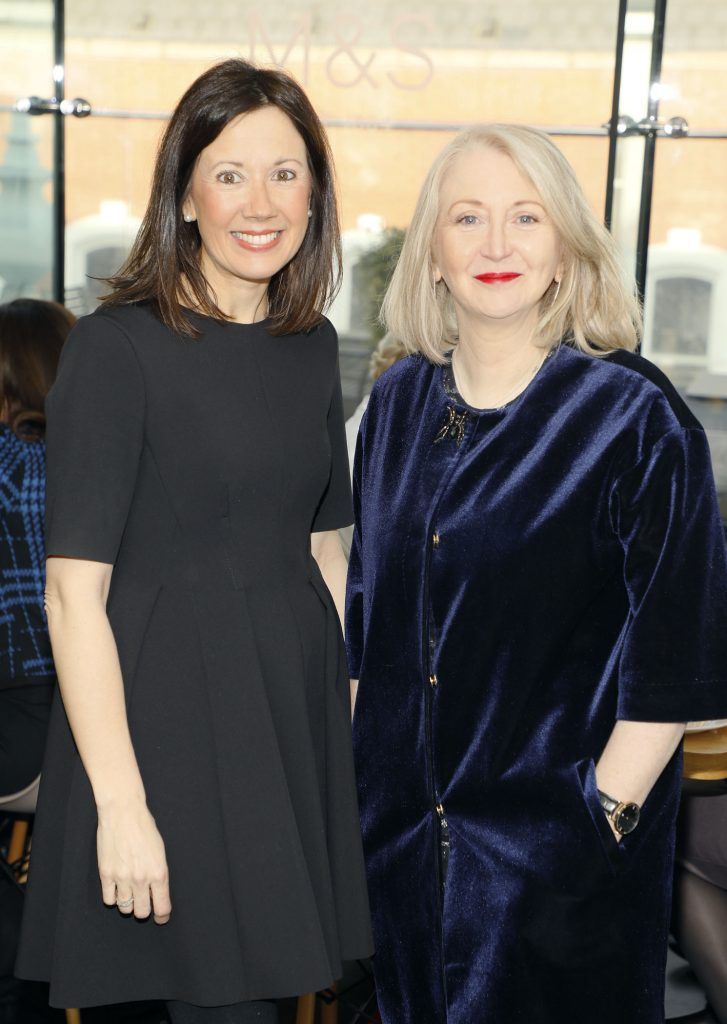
[452, 392]
[260, 324]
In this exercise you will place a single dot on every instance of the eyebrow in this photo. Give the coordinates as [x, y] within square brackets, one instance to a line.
[478, 202]
[240, 163]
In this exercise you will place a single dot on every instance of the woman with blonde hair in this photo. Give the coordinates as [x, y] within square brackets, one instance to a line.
[537, 602]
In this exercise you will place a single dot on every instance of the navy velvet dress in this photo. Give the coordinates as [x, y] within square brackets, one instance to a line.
[521, 578]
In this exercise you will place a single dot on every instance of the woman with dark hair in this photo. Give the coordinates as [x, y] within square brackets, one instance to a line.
[201, 759]
[32, 333]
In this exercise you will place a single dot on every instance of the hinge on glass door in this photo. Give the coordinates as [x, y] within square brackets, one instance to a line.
[36, 105]
[674, 128]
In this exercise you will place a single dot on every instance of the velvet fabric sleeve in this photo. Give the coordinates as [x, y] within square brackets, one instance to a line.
[673, 659]
[95, 429]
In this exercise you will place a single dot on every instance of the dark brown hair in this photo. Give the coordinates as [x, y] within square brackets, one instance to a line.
[32, 333]
[163, 266]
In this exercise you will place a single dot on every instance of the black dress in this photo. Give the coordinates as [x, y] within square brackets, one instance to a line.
[199, 468]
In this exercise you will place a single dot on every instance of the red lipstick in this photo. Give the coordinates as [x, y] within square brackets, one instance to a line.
[496, 278]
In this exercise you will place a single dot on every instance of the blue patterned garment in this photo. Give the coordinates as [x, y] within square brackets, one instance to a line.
[25, 652]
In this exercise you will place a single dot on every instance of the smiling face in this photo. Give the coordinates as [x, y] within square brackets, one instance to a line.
[249, 193]
[494, 245]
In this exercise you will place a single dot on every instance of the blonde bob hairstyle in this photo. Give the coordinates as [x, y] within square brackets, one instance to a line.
[594, 308]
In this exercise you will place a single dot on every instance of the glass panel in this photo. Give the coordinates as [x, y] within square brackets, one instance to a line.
[694, 69]
[26, 153]
[686, 288]
[108, 171]
[391, 85]
[680, 315]
[465, 60]
[686, 294]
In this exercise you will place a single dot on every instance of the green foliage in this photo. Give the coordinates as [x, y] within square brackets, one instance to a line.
[373, 273]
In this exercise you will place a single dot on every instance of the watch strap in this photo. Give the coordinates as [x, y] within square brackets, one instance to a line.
[607, 802]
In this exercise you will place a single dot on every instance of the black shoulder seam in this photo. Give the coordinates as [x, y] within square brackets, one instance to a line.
[644, 368]
[102, 314]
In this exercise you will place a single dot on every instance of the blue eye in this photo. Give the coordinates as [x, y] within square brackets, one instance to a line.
[527, 218]
[468, 219]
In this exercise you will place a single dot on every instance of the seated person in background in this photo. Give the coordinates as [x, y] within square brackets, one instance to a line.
[699, 913]
[388, 351]
[32, 333]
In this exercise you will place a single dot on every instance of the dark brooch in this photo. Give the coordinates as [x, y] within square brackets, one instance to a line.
[453, 427]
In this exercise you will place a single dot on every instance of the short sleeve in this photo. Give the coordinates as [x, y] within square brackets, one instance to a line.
[673, 663]
[95, 423]
[334, 510]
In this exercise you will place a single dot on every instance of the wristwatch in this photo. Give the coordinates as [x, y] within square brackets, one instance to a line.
[625, 816]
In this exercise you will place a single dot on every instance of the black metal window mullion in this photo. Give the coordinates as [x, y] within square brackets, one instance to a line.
[59, 152]
[615, 105]
[647, 179]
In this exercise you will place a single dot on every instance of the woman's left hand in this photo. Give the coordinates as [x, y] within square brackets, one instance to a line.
[634, 758]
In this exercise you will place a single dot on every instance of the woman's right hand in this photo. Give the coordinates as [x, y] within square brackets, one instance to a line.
[132, 862]
[131, 858]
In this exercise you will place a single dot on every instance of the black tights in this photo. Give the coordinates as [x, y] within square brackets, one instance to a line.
[236, 1013]
[699, 923]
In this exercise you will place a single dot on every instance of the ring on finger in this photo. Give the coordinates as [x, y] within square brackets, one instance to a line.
[123, 904]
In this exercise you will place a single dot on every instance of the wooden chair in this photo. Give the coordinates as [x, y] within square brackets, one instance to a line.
[705, 750]
[22, 805]
[306, 1012]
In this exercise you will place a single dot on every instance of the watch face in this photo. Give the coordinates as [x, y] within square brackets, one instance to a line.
[627, 818]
